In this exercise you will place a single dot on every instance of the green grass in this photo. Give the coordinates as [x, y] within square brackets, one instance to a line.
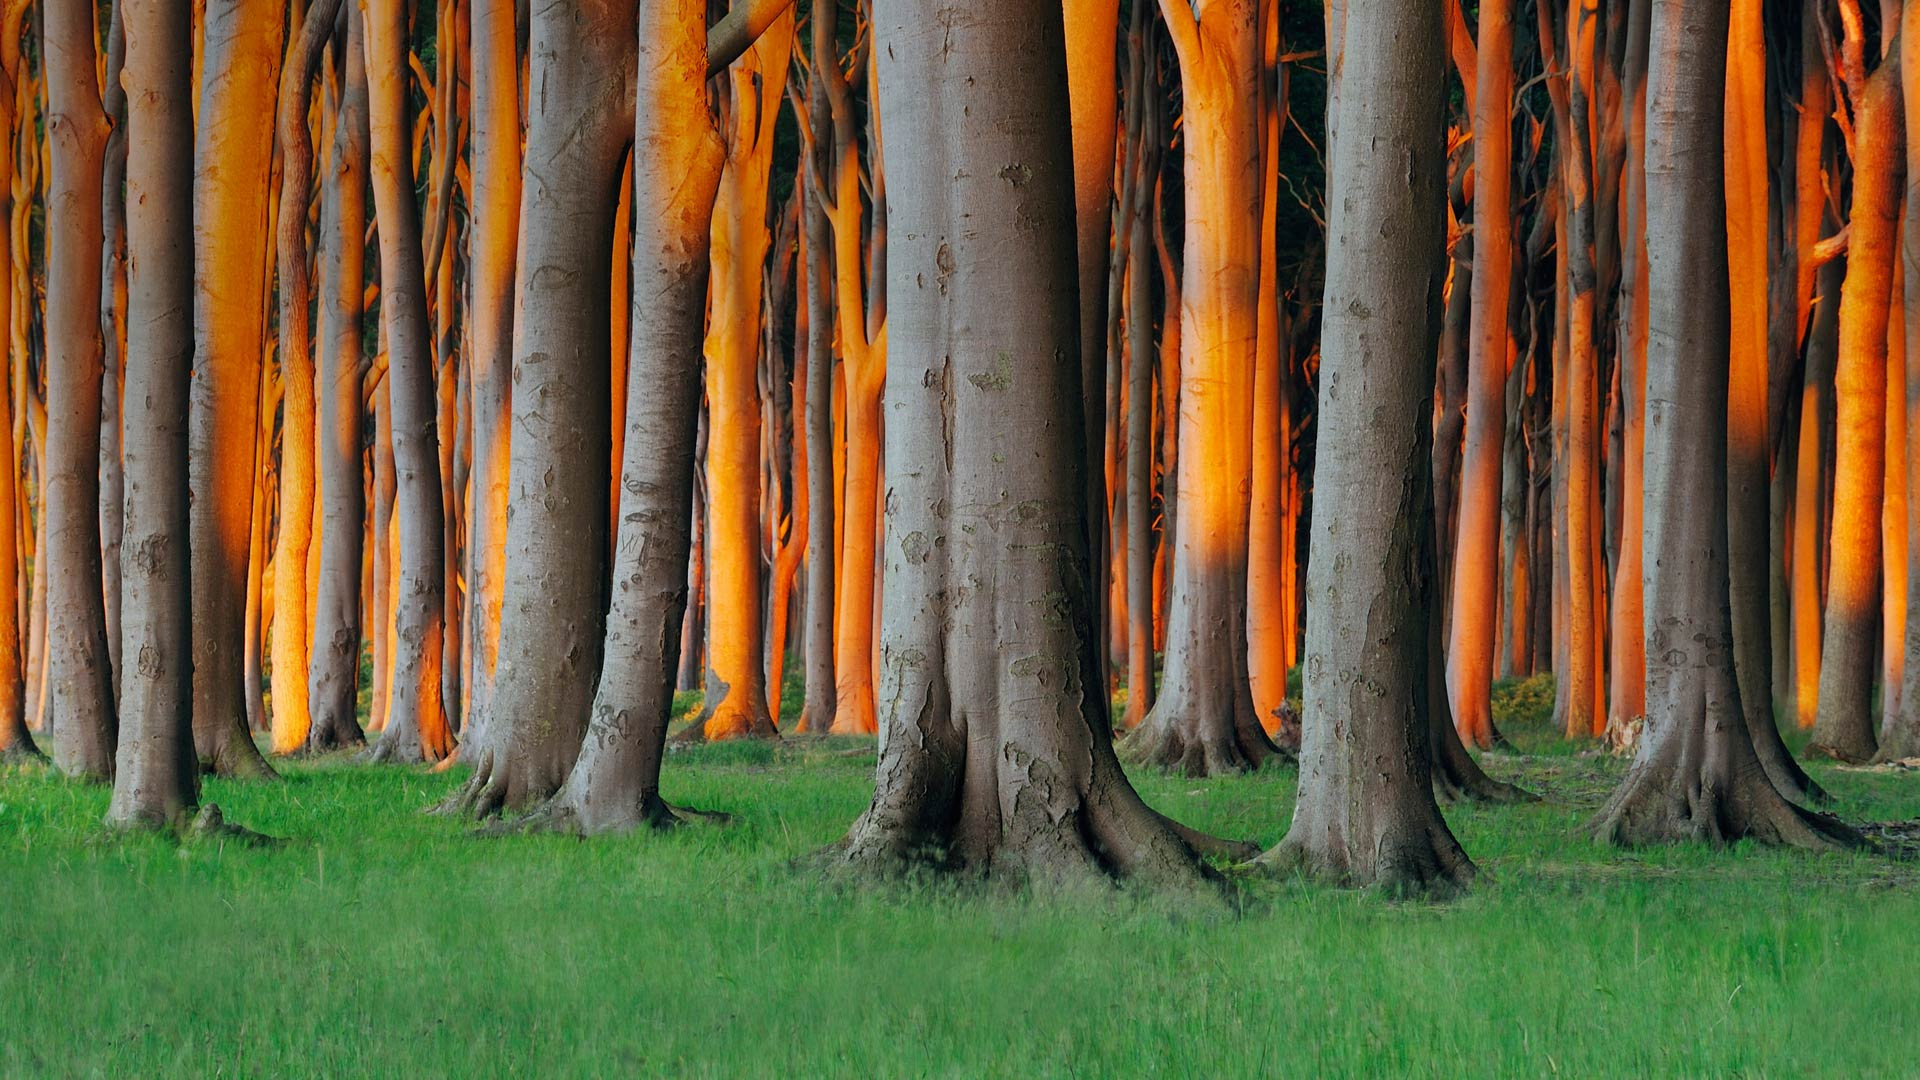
[382, 942]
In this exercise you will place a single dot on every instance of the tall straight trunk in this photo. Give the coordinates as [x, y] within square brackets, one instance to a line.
[1893, 513]
[492, 233]
[1627, 699]
[259, 612]
[113, 335]
[1899, 731]
[232, 161]
[552, 624]
[1140, 359]
[615, 783]
[80, 703]
[1204, 721]
[334, 675]
[1695, 775]
[1844, 725]
[997, 758]
[1584, 689]
[417, 727]
[816, 714]
[1476, 563]
[735, 705]
[1268, 631]
[156, 776]
[1366, 814]
[383, 559]
[292, 625]
[16, 741]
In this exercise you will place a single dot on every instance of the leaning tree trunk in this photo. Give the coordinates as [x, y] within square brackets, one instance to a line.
[156, 778]
[615, 784]
[996, 757]
[1204, 722]
[1899, 733]
[416, 716]
[291, 622]
[1695, 775]
[334, 676]
[1366, 814]
[80, 704]
[1843, 727]
[552, 612]
[16, 742]
[240, 67]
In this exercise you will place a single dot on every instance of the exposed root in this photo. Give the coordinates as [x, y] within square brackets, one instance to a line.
[1167, 742]
[210, 824]
[482, 796]
[1425, 864]
[562, 817]
[1844, 755]
[23, 753]
[1213, 847]
[1652, 806]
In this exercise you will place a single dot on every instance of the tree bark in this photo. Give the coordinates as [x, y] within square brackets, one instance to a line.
[1366, 814]
[417, 726]
[80, 703]
[16, 741]
[1899, 732]
[156, 775]
[1843, 727]
[1695, 775]
[232, 161]
[817, 712]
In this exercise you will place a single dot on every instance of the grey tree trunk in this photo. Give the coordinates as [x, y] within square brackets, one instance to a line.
[80, 703]
[156, 776]
[1900, 733]
[995, 753]
[334, 672]
[1695, 775]
[1366, 814]
[816, 712]
[551, 625]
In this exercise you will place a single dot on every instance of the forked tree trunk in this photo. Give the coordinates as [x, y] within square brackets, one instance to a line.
[416, 716]
[156, 775]
[615, 784]
[552, 605]
[1204, 722]
[16, 741]
[232, 159]
[1844, 726]
[996, 756]
[334, 684]
[1695, 775]
[1366, 814]
[80, 704]
[292, 718]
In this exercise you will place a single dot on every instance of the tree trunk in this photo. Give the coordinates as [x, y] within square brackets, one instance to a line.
[113, 324]
[16, 741]
[417, 719]
[334, 684]
[1627, 702]
[232, 160]
[156, 778]
[1204, 722]
[80, 704]
[1844, 725]
[1695, 775]
[1366, 814]
[1899, 732]
[1583, 687]
[816, 714]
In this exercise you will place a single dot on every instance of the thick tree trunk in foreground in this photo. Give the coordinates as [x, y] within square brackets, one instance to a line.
[416, 716]
[1900, 733]
[232, 159]
[1695, 775]
[1204, 722]
[1844, 725]
[996, 756]
[292, 623]
[16, 742]
[1366, 814]
[615, 783]
[552, 604]
[80, 704]
[156, 775]
[334, 677]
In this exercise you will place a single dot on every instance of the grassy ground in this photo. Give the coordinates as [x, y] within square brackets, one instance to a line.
[379, 941]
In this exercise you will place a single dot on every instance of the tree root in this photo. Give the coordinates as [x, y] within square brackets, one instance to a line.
[562, 817]
[1426, 865]
[210, 824]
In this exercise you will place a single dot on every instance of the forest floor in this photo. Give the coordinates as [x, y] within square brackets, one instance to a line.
[379, 941]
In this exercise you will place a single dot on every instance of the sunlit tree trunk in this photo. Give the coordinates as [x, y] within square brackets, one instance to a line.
[156, 776]
[80, 702]
[232, 159]
[1583, 686]
[381, 530]
[1817, 327]
[1844, 725]
[113, 323]
[1268, 629]
[16, 741]
[333, 689]
[1366, 814]
[1900, 730]
[417, 719]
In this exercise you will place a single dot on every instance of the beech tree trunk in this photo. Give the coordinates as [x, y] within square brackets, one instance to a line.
[16, 741]
[817, 712]
[996, 756]
[1366, 814]
[417, 726]
[334, 680]
[156, 775]
[1204, 722]
[232, 159]
[80, 703]
[1695, 775]
[1899, 732]
[1843, 727]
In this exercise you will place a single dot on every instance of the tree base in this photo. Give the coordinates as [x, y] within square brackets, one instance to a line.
[210, 824]
[1193, 744]
[1417, 863]
[237, 758]
[1655, 804]
[563, 816]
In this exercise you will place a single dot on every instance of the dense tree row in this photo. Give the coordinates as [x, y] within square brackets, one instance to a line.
[977, 365]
